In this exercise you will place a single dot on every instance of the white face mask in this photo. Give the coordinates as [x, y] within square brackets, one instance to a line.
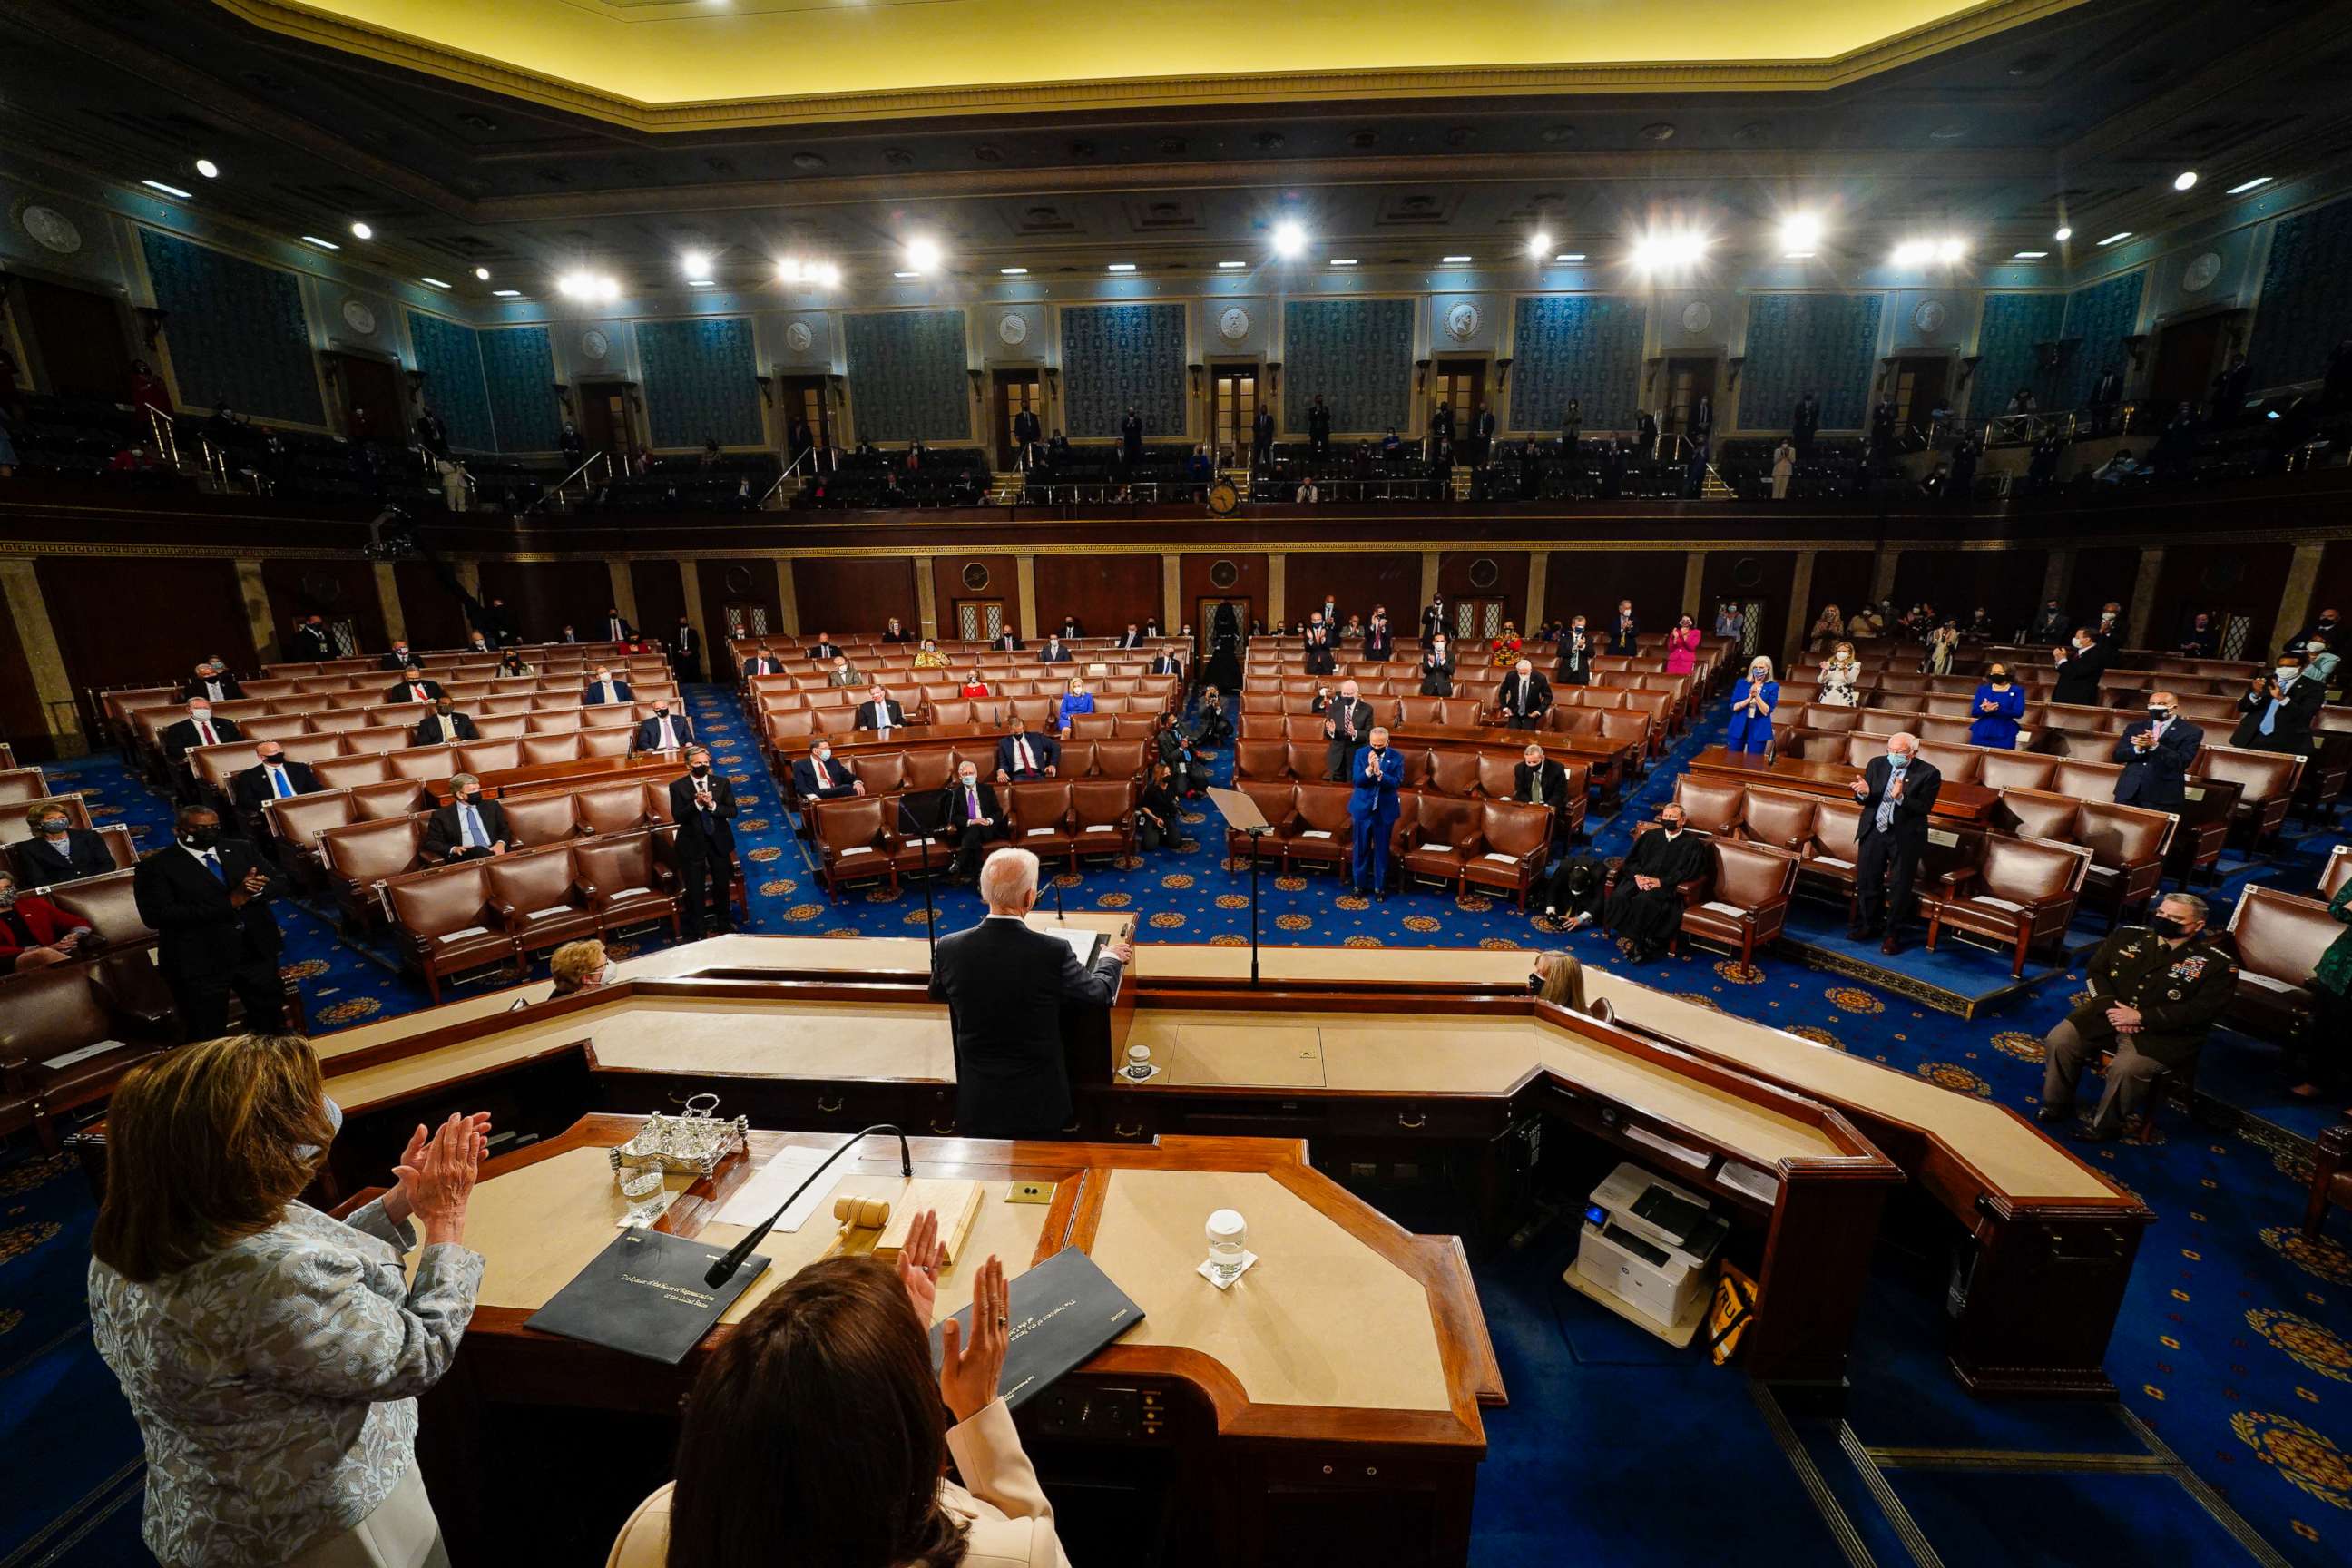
[2287, 672]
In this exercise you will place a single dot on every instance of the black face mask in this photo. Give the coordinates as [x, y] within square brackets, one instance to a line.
[1998, 678]
[2158, 714]
[200, 837]
[700, 769]
[661, 712]
[54, 824]
[2167, 927]
[472, 797]
[1535, 985]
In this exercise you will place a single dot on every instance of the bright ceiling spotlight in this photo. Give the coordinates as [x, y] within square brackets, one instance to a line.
[826, 274]
[321, 243]
[167, 190]
[1800, 235]
[1290, 241]
[1951, 251]
[361, 231]
[1668, 251]
[508, 293]
[696, 263]
[483, 273]
[2115, 238]
[1540, 245]
[1909, 253]
[792, 269]
[923, 254]
[571, 285]
[435, 282]
[1454, 260]
[607, 289]
[2062, 235]
[207, 168]
[2243, 186]
[1122, 267]
[2185, 181]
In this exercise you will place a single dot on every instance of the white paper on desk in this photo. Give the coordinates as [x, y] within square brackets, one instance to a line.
[1083, 940]
[771, 1185]
[83, 1055]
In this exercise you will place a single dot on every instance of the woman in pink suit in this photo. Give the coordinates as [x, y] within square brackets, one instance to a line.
[1682, 648]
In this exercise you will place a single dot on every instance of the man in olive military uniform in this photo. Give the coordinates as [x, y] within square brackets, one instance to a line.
[2156, 991]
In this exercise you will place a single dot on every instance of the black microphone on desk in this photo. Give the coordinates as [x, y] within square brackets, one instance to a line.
[724, 1270]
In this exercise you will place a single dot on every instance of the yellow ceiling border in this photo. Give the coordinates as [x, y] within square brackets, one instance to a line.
[297, 21]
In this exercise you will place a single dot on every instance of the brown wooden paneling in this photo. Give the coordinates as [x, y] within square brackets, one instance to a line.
[22, 722]
[1591, 582]
[852, 595]
[2333, 589]
[2006, 583]
[2247, 580]
[1004, 582]
[339, 590]
[1458, 576]
[748, 583]
[122, 623]
[1198, 577]
[1357, 580]
[1105, 591]
[1841, 577]
[2106, 574]
[542, 596]
[430, 611]
[660, 589]
[1764, 575]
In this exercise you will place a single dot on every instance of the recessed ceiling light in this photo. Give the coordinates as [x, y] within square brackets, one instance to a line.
[1800, 234]
[1013, 271]
[1797, 255]
[435, 282]
[167, 190]
[825, 275]
[1122, 267]
[696, 263]
[923, 254]
[1454, 260]
[361, 231]
[321, 243]
[700, 282]
[1951, 250]
[207, 168]
[2184, 181]
[1343, 261]
[1289, 241]
[1231, 266]
[1910, 253]
[1569, 255]
[2117, 239]
[508, 293]
[905, 275]
[482, 273]
[1657, 250]
[2062, 235]
[2254, 184]
[2029, 255]
[1538, 244]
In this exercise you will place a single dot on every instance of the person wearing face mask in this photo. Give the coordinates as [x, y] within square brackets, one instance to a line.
[207, 900]
[412, 687]
[1624, 639]
[199, 728]
[57, 851]
[469, 828]
[665, 731]
[604, 688]
[2319, 663]
[580, 966]
[1995, 710]
[1682, 646]
[1346, 728]
[213, 683]
[2156, 752]
[1025, 758]
[2049, 622]
[818, 777]
[312, 639]
[511, 665]
[969, 811]
[2079, 665]
[1317, 642]
[273, 776]
[1753, 701]
[444, 725]
[1645, 908]
[1558, 978]
[2202, 639]
[1077, 700]
[702, 804]
[1524, 697]
[1574, 666]
[1840, 674]
[1380, 642]
[1897, 791]
[2157, 992]
[2276, 712]
[1376, 774]
[842, 675]
[928, 656]
[35, 933]
[1437, 667]
[1053, 652]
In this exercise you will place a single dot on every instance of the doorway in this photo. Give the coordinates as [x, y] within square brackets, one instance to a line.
[979, 620]
[1689, 382]
[744, 618]
[1233, 411]
[1919, 391]
[370, 390]
[804, 399]
[2188, 356]
[605, 422]
[75, 341]
[1477, 620]
[1459, 385]
[1018, 392]
[1232, 612]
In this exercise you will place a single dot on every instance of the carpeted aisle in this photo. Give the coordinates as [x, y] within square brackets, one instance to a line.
[2234, 1349]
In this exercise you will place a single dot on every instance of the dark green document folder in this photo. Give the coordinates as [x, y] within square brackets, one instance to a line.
[645, 1295]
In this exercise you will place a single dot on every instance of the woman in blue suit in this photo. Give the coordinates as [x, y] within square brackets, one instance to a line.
[1078, 700]
[1993, 713]
[1752, 701]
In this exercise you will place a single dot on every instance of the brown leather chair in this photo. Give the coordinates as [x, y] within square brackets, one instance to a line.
[2016, 770]
[1747, 907]
[53, 1013]
[1276, 801]
[444, 918]
[1497, 774]
[393, 797]
[2033, 814]
[2331, 1183]
[852, 843]
[2023, 891]
[951, 711]
[1454, 772]
[1263, 759]
[2336, 872]
[2266, 781]
[1078, 758]
[1321, 832]
[1513, 846]
[109, 904]
[1779, 819]
[1713, 808]
[342, 772]
[1826, 859]
[359, 856]
[488, 756]
[538, 896]
[1304, 759]
[1434, 848]
[2278, 938]
[607, 809]
[1102, 814]
[2127, 845]
[882, 772]
[1039, 814]
[296, 821]
[1118, 759]
[1420, 710]
[929, 769]
[540, 750]
[533, 820]
[607, 742]
[624, 883]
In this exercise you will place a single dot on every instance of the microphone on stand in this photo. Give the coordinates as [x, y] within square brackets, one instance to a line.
[1060, 914]
[724, 1270]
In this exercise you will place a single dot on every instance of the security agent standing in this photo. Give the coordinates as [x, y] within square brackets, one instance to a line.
[703, 805]
[1897, 791]
[2156, 752]
[1377, 772]
[2156, 991]
[207, 899]
[1004, 985]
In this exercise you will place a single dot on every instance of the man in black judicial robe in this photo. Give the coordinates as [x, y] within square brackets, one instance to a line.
[1645, 908]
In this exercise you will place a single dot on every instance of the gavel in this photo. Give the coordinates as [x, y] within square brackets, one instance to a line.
[862, 1214]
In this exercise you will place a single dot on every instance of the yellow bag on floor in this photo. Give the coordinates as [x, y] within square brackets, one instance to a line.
[1728, 1317]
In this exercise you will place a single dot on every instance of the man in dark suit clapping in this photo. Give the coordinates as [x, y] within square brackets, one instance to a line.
[2277, 710]
[969, 814]
[1006, 985]
[1896, 790]
[1379, 639]
[2156, 752]
[207, 900]
[1347, 728]
[2079, 666]
[703, 805]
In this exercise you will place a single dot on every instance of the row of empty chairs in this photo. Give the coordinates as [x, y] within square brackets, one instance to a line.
[862, 839]
[1484, 774]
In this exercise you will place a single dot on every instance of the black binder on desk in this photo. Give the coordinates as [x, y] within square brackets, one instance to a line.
[644, 1294]
[1063, 1311]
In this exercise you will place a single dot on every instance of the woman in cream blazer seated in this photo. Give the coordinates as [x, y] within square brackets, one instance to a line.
[815, 1434]
[271, 1354]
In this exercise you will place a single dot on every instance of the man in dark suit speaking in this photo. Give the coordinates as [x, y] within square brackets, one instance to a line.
[702, 804]
[1897, 792]
[1004, 985]
[207, 899]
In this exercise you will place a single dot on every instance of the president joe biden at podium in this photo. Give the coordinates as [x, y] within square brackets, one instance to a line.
[1004, 985]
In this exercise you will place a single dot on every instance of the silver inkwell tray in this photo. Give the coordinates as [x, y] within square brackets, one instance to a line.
[694, 1145]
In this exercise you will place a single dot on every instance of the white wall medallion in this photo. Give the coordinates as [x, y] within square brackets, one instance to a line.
[359, 317]
[1014, 328]
[798, 336]
[1232, 323]
[51, 229]
[1698, 316]
[1928, 318]
[2199, 275]
[595, 344]
[1462, 322]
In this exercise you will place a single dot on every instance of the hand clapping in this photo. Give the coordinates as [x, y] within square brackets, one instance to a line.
[919, 1263]
[968, 1376]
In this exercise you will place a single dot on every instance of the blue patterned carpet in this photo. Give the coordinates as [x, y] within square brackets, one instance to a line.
[2235, 1348]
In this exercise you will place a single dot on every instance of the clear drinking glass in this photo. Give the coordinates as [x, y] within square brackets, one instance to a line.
[1228, 1245]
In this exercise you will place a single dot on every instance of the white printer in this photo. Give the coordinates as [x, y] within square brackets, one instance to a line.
[1649, 1249]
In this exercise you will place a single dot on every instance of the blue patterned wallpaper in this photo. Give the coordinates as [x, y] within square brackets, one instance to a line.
[236, 330]
[1820, 343]
[1358, 354]
[450, 355]
[519, 364]
[2305, 308]
[907, 377]
[1115, 357]
[701, 380]
[2007, 358]
[1585, 346]
[2101, 316]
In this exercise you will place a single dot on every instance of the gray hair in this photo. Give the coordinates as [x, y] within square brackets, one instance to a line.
[1007, 878]
[1905, 735]
[459, 781]
[2196, 906]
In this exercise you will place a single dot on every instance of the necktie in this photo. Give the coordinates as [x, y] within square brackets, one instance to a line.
[278, 782]
[417, 694]
[1021, 757]
[475, 839]
[219, 871]
[2270, 716]
[1886, 802]
[668, 741]
[971, 805]
[823, 774]
[204, 728]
